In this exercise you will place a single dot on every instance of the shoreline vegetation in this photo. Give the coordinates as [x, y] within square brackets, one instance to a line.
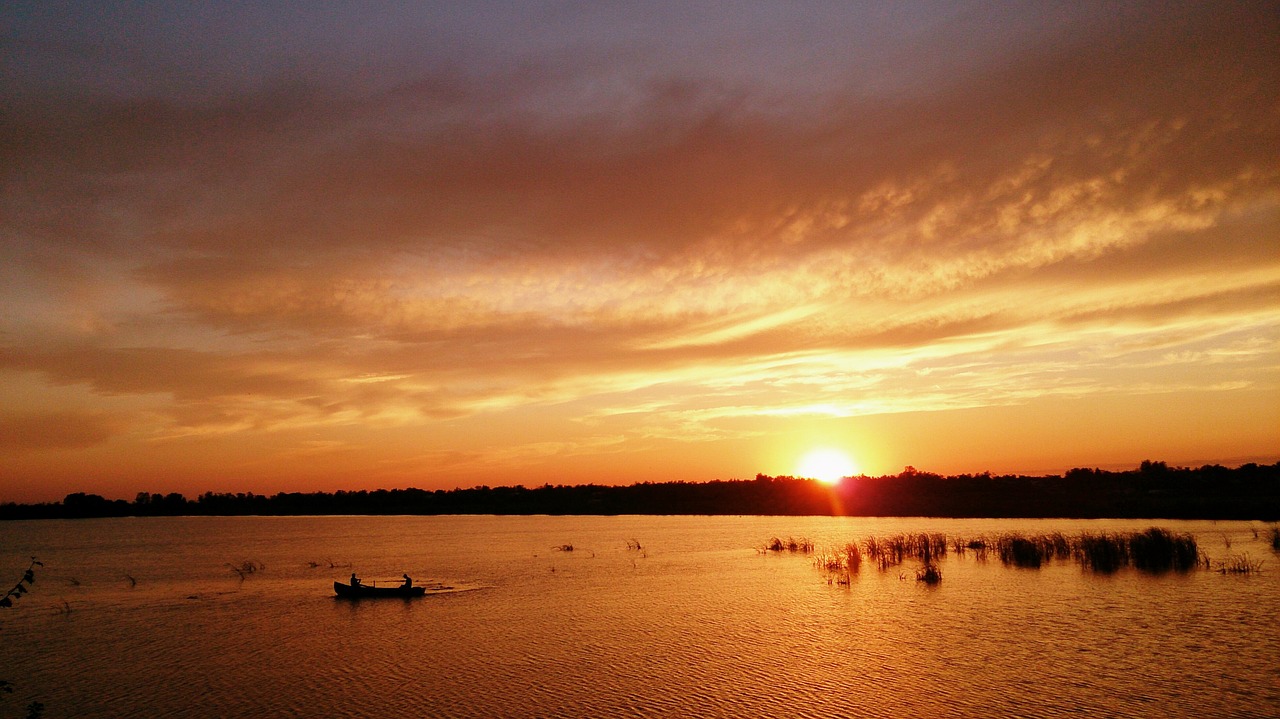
[1152, 491]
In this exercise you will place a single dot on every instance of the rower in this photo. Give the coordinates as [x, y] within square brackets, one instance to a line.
[355, 581]
[408, 581]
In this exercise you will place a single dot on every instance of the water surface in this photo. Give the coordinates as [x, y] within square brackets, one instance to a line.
[146, 618]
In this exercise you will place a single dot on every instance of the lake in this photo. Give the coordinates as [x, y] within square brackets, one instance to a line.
[236, 617]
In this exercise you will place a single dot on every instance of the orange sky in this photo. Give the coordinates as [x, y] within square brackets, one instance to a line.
[279, 248]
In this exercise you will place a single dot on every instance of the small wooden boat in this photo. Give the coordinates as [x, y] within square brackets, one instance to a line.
[366, 591]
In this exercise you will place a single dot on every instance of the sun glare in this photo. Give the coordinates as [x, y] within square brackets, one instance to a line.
[826, 465]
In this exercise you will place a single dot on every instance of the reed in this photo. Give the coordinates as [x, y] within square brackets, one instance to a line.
[843, 559]
[1159, 550]
[1015, 549]
[887, 552]
[802, 545]
[1239, 564]
[852, 557]
[978, 547]
[841, 564]
[1152, 550]
[1058, 545]
[1102, 552]
[929, 574]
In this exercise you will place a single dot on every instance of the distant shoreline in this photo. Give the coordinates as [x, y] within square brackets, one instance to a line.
[1153, 491]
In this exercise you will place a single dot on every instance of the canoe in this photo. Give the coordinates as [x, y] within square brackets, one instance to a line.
[365, 591]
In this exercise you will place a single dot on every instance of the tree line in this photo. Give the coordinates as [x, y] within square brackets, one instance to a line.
[1153, 490]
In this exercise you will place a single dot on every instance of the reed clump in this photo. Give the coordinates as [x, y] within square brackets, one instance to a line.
[842, 559]
[929, 574]
[1151, 550]
[1239, 564]
[1020, 551]
[889, 552]
[802, 545]
[841, 564]
[1102, 552]
[1159, 550]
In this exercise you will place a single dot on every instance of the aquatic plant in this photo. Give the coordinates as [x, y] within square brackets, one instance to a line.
[633, 545]
[563, 548]
[1102, 552]
[844, 559]
[792, 544]
[978, 545]
[20, 588]
[1159, 550]
[852, 557]
[1057, 545]
[840, 563]
[929, 574]
[1238, 564]
[930, 546]
[1275, 538]
[23, 584]
[1019, 551]
[245, 568]
[889, 552]
[1151, 550]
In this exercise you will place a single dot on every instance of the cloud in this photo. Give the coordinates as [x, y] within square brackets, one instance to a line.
[413, 241]
[23, 432]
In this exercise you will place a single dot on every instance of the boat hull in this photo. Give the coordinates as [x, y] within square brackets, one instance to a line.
[363, 591]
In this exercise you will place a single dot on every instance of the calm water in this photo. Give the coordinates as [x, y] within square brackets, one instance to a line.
[696, 623]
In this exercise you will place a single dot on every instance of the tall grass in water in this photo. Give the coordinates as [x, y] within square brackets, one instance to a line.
[801, 545]
[1159, 550]
[1239, 564]
[840, 564]
[891, 551]
[929, 574]
[1152, 550]
[1020, 551]
[1102, 552]
[978, 545]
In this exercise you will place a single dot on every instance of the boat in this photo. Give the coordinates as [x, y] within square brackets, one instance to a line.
[367, 591]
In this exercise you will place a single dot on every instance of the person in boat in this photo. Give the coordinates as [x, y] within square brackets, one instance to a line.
[408, 582]
[355, 581]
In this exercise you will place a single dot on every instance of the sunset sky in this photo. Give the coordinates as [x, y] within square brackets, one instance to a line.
[281, 246]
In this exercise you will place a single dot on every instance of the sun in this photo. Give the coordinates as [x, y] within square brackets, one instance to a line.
[826, 465]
